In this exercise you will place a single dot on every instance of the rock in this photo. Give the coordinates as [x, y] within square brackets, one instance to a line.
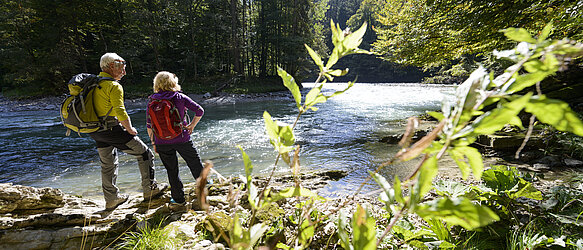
[572, 163]
[541, 167]
[551, 161]
[16, 197]
[206, 95]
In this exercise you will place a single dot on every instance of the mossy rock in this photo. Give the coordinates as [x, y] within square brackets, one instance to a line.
[218, 225]
[269, 213]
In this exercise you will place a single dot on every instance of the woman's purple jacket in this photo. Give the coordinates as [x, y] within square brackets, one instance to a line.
[183, 103]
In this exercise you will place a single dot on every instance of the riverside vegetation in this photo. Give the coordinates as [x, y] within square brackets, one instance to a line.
[500, 208]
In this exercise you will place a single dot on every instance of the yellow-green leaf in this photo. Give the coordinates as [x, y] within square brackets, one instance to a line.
[290, 83]
[555, 113]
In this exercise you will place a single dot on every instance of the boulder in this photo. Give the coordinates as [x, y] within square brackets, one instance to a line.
[16, 197]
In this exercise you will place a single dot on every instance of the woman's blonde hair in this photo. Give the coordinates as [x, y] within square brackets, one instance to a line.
[166, 81]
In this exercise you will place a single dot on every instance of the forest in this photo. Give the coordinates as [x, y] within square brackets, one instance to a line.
[207, 42]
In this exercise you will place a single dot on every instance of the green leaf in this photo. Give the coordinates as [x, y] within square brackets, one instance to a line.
[427, 172]
[437, 115]
[385, 185]
[398, 193]
[353, 40]
[527, 80]
[364, 230]
[474, 159]
[307, 231]
[338, 72]
[452, 189]
[458, 157]
[256, 232]
[314, 97]
[555, 113]
[519, 35]
[458, 211]
[342, 232]
[524, 189]
[271, 127]
[495, 120]
[315, 57]
[286, 135]
[290, 83]
[546, 32]
[248, 165]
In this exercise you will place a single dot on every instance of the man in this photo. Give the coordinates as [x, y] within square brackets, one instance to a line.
[108, 99]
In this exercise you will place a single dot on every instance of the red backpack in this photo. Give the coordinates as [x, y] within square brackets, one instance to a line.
[164, 119]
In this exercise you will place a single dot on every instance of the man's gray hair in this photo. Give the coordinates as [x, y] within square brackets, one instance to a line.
[108, 58]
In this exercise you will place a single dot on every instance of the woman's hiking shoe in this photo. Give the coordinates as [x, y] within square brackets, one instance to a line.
[177, 207]
[111, 205]
[156, 189]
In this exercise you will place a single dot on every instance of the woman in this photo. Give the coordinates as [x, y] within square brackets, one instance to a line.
[166, 87]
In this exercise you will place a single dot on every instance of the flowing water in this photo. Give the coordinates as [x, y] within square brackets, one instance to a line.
[345, 133]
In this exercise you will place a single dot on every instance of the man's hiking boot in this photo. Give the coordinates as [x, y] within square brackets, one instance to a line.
[111, 205]
[156, 189]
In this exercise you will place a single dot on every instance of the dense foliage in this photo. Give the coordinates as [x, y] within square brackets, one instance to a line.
[433, 32]
[43, 43]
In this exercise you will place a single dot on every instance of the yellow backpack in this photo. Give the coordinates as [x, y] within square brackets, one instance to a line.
[77, 110]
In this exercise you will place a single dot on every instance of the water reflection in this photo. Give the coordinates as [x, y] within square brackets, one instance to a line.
[344, 134]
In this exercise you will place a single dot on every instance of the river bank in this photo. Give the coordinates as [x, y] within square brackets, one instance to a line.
[54, 102]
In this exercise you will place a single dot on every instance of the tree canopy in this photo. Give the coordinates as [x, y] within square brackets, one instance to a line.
[433, 32]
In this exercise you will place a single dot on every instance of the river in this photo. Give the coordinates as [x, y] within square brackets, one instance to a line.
[344, 134]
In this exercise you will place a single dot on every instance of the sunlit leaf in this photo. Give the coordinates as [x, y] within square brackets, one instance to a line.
[398, 193]
[338, 72]
[458, 157]
[519, 35]
[452, 189]
[545, 32]
[315, 57]
[314, 97]
[495, 120]
[437, 115]
[524, 189]
[342, 232]
[427, 172]
[474, 159]
[256, 232]
[286, 135]
[526, 80]
[555, 113]
[290, 83]
[386, 186]
[248, 165]
[353, 40]
[458, 211]
[364, 230]
[271, 127]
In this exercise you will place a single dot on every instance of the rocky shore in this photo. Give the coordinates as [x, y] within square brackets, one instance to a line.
[54, 102]
[46, 218]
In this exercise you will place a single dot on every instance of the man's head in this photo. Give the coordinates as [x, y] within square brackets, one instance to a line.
[114, 65]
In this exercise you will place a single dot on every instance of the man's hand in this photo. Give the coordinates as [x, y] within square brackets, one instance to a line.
[133, 131]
